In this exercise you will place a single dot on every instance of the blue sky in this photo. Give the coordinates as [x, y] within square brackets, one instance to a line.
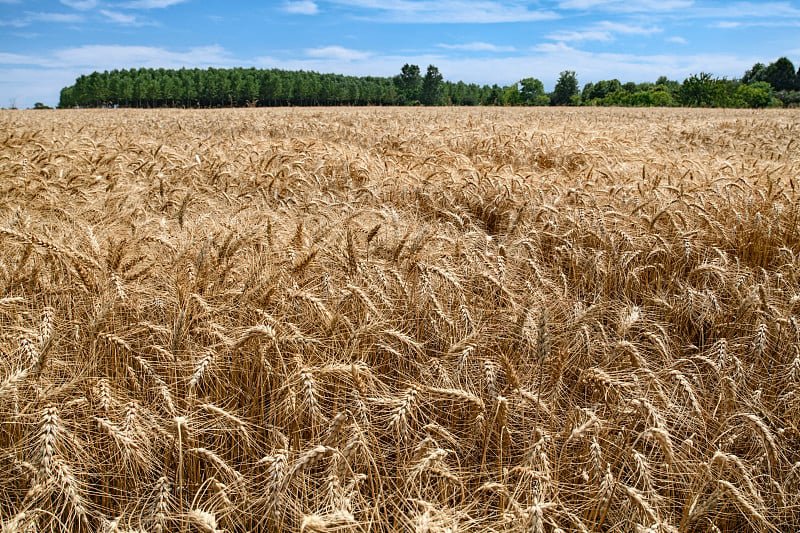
[45, 45]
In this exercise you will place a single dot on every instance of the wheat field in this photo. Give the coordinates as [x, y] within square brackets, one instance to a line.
[420, 320]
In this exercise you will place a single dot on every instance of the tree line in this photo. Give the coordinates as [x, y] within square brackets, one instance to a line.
[776, 84]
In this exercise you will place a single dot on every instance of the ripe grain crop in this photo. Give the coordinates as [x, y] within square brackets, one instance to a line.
[400, 319]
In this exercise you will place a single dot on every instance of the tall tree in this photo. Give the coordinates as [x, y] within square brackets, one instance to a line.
[511, 96]
[755, 74]
[566, 88]
[431, 93]
[532, 92]
[409, 83]
[781, 75]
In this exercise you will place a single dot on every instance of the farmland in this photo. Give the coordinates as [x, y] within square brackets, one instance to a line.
[400, 319]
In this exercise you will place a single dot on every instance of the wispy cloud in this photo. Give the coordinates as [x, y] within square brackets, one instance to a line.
[603, 31]
[625, 6]
[82, 5]
[477, 46]
[152, 4]
[786, 22]
[16, 59]
[586, 35]
[119, 56]
[628, 29]
[30, 18]
[102, 57]
[677, 40]
[337, 52]
[301, 7]
[736, 10]
[56, 17]
[125, 19]
[448, 11]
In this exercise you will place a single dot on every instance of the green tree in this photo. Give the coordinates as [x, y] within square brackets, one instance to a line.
[409, 83]
[566, 88]
[597, 91]
[532, 92]
[755, 74]
[756, 94]
[511, 95]
[703, 90]
[781, 75]
[431, 93]
[696, 90]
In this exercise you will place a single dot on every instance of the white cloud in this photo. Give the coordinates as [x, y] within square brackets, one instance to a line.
[552, 48]
[33, 17]
[757, 23]
[676, 39]
[603, 31]
[152, 4]
[83, 5]
[16, 59]
[103, 57]
[449, 11]
[100, 57]
[588, 35]
[477, 46]
[16, 23]
[336, 52]
[28, 85]
[747, 10]
[56, 17]
[628, 29]
[626, 6]
[302, 7]
[726, 24]
[124, 19]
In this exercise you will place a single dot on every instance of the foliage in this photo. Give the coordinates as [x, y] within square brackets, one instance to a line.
[788, 98]
[756, 94]
[532, 92]
[432, 91]
[409, 83]
[781, 75]
[600, 89]
[566, 88]
[760, 86]
[757, 73]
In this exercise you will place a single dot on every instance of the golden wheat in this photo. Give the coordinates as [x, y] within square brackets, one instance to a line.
[394, 319]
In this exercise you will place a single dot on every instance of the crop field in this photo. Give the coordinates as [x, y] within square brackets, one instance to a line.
[428, 320]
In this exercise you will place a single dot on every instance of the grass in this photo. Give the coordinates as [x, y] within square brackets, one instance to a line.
[400, 319]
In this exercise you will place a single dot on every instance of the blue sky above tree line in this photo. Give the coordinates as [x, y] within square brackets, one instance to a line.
[45, 45]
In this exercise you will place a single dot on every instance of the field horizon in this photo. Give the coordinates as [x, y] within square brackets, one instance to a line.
[383, 319]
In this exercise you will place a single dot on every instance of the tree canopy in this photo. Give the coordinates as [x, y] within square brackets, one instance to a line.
[777, 83]
[566, 88]
[431, 93]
